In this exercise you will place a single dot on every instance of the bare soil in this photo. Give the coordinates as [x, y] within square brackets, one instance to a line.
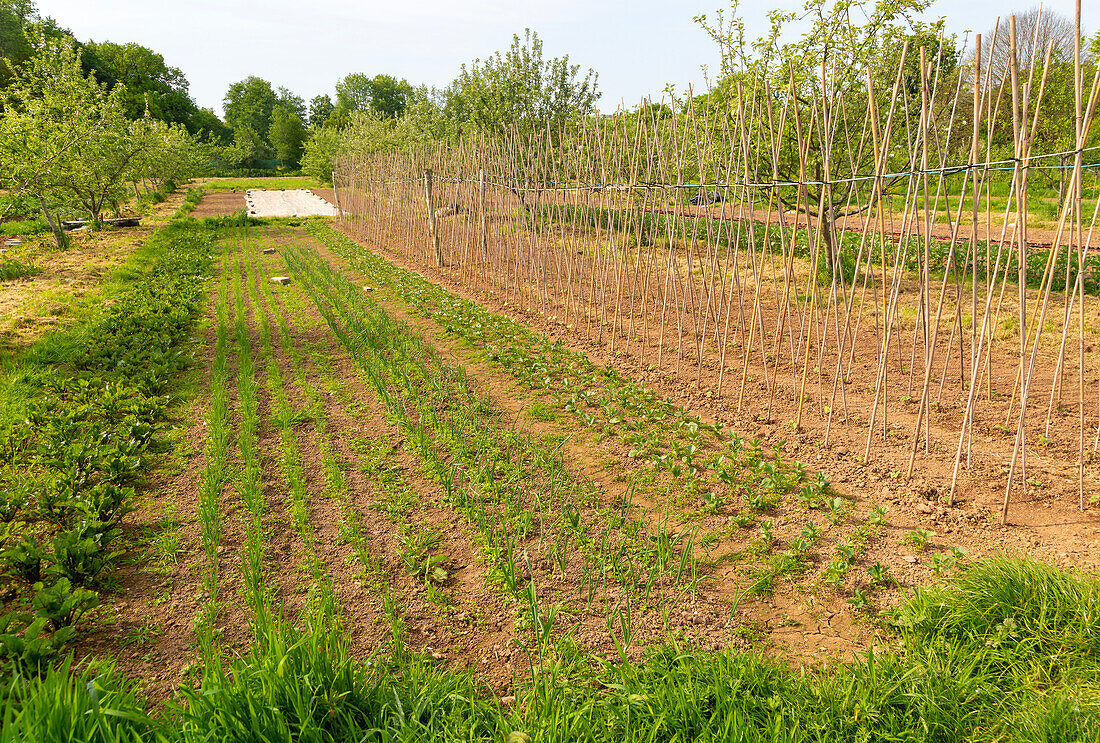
[219, 204]
[1044, 521]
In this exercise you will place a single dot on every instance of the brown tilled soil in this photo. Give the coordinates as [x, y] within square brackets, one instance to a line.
[219, 204]
[1052, 526]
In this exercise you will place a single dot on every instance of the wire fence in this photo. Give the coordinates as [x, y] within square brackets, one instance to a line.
[849, 264]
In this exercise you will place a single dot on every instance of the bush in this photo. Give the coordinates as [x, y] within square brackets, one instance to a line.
[30, 648]
[81, 554]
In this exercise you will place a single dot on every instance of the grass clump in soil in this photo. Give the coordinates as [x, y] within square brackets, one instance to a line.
[1004, 651]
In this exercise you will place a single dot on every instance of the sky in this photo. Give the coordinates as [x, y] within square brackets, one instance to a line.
[637, 46]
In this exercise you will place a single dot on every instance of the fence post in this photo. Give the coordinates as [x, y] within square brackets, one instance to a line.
[484, 218]
[431, 217]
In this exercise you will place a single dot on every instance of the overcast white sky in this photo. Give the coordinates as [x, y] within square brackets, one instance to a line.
[637, 46]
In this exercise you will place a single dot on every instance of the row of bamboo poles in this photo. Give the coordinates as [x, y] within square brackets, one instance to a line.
[858, 254]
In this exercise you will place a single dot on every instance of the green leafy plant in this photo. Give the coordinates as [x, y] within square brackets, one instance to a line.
[30, 647]
[106, 502]
[918, 538]
[416, 555]
[24, 558]
[61, 603]
[860, 600]
[877, 515]
[880, 575]
[81, 554]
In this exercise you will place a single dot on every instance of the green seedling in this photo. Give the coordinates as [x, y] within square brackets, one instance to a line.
[918, 538]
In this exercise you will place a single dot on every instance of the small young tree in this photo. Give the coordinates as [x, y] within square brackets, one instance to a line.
[844, 40]
[63, 138]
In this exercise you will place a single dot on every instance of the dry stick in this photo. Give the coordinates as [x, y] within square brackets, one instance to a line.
[889, 299]
[687, 279]
[715, 232]
[975, 190]
[572, 318]
[702, 145]
[433, 232]
[639, 221]
[1070, 200]
[1078, 81]
[1025, 372]
[589, 302]
[1048, 277]
[637, 239]
[748, 221]
[930, 351]
[818, 239]
[952, 262]
[1052, 255]
[1021, 232]
[1075, 234]
[1084, 249]
[758, 321]
[800, 195]
[702, 309]
[671, 267]
[782, 307]
[881, 148]
[826, 221]
[968, 413]
[651, 237]
[845, 338]
[728, 303]
[775, 134]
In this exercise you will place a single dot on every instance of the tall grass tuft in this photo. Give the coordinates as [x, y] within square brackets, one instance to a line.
[70, 704]
[1021, 610]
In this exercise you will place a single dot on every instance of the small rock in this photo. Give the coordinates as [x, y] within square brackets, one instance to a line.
[909, 559]
[269, 251]
[368, 288]
[924, 508]
[508, 701]
[282, 280]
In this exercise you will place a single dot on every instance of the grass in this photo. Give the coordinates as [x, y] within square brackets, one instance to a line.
[24, 227]
[12, 269]
[959, 677]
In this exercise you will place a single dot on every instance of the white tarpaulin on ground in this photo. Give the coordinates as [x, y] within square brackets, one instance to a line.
[296, 203]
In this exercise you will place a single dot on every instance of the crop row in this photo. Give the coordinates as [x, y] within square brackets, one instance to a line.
[69, 468]
[712, 469]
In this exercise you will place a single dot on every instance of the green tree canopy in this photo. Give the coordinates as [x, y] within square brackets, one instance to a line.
[248, 105]
[287, 135]
[384, 94]
[520, 85]
[149, 84]
[64, 138]
[320, 110]
[20, 24]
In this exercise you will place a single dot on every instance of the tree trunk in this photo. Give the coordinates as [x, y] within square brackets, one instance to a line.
[58, 234]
